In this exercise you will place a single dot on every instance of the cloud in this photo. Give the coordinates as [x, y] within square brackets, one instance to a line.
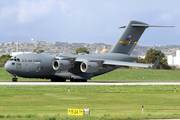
[166, 17]
[81, 20]
[28, 11]
[65, 7]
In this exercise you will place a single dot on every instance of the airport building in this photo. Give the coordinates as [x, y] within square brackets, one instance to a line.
[174, 61]
[17, 53]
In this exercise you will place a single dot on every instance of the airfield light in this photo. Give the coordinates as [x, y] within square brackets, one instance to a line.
[68, 89]
[174, 90]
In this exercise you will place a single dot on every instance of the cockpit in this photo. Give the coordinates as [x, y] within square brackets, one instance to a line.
[14, 59]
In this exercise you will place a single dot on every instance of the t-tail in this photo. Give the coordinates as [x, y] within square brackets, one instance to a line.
[130, 37]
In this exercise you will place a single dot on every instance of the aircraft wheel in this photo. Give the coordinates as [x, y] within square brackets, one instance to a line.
[62, 80]
[77, 80]
[53, 80]
[57, 80]
[71, 80]
[14, 79]
[84, 80]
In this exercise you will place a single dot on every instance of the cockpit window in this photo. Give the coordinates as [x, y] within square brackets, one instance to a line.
[18, 60]
[14, 59]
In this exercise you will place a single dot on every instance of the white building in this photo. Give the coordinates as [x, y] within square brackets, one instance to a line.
[178, 53]
[174, 60]
[17, 53]
[170, 59]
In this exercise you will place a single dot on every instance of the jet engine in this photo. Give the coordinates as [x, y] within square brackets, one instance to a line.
[90, 67]
[62, 65]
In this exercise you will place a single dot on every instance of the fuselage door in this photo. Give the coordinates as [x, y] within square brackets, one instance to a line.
[39, 68]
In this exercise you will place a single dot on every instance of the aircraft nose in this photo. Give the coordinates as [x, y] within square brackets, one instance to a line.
[7, 66]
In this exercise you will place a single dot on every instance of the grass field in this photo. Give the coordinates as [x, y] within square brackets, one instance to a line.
[104, 102]
[139, 75]
[118, 75]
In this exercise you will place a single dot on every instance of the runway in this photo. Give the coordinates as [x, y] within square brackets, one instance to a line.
[84, 83]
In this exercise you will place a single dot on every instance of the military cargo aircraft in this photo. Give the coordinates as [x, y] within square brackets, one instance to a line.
[81, 67]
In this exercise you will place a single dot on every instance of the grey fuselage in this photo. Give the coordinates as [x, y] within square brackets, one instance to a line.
[40, 65]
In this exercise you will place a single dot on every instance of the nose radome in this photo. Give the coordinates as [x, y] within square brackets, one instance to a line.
[7, 66]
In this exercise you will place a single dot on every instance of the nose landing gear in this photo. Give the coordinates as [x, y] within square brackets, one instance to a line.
[14, 79]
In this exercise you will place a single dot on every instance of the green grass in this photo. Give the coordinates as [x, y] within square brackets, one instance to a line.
[118, 75]
[139, 75]
[104, 102]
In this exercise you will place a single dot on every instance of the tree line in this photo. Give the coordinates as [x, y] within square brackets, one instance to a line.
[4, 58]
[151, 56]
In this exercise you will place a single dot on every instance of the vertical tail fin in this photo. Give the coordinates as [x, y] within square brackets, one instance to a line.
[130, 37]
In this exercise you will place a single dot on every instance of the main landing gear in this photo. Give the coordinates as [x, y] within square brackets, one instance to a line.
[78, 80]
[64, 80]
[58, 80]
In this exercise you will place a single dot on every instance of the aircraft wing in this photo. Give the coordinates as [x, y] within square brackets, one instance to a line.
[112, 62]
[122, 63]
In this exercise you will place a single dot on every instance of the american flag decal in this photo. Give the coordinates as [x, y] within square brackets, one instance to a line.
[128, 42]
[131, 42]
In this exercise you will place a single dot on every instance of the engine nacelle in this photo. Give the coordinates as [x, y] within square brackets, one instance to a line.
[89, 67]
[61, 65]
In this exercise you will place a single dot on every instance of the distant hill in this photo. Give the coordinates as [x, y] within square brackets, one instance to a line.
[69, 48]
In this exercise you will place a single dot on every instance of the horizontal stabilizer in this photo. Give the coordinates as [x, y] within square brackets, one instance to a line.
[144, 25]
[123, 27]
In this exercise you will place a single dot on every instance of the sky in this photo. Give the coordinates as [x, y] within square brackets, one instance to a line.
[87, 21]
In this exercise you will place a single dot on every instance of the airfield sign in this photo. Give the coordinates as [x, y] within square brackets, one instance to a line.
[75, 111]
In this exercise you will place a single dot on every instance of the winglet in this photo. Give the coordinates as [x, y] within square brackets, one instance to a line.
[157, 61]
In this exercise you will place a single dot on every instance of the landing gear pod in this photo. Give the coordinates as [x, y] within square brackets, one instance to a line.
[89, 67]
[61, 65]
